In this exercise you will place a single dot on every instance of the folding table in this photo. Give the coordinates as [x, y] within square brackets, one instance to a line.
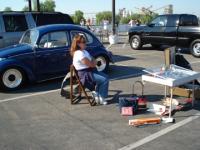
[170, 77]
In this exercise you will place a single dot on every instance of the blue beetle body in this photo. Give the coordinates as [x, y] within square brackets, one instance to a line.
[42, 64]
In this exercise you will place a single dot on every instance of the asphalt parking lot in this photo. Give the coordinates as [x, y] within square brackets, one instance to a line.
[38, 118]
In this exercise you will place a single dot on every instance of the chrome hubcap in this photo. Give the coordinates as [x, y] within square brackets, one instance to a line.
[101, 63]
[12, 78]
[196, 48]
[135, 43]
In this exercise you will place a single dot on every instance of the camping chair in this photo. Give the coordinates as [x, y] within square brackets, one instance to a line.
[74, 79]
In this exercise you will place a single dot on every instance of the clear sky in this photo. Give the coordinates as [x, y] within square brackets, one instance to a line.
[91, 6]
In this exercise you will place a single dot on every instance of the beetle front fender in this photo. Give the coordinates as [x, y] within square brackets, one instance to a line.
[8, 63]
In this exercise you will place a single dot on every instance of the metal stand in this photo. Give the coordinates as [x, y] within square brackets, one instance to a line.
[170, 107]
[193, 94]
[169, 119]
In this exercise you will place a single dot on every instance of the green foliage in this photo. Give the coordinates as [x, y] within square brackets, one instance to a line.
[125, 20]
[144, 19]
[25, 8]
[78, 16]
[105, 15]
[7, 9]
[47, 6]
[117, 19]
[147, 18]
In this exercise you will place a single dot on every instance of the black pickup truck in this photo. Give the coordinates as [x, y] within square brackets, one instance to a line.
[180, 30]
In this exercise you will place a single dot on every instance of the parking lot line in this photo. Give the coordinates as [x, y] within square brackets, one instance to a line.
[27, 96]
[160, 133]
[195, 62]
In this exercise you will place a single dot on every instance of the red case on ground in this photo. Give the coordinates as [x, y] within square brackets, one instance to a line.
[127, 111]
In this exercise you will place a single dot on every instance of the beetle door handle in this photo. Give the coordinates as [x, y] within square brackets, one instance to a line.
[1, 37]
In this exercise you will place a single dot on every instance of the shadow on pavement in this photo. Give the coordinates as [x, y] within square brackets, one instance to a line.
[121, 72]
[39, 87]
[120, 58]
[124, 72]
[150, 98]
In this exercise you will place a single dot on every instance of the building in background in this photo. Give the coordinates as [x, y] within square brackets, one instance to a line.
[168, 9]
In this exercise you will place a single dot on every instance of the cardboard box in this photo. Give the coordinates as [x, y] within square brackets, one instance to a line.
[186, 92]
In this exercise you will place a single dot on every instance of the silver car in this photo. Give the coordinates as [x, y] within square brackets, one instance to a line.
[13, 24]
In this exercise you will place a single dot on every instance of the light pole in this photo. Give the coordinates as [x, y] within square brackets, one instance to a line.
[29, 5]
[38, 5]
[113, 38]
[113, 17]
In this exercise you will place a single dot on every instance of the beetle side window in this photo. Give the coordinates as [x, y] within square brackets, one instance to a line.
[88, 37]
[160, 21]
[15, 23]
[44, 40]
[54, 40]
[30, 37]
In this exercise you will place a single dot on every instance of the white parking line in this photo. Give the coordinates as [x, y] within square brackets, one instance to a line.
[51, 91]
[124, 45]
[160, 133]
[195, 62]
[27, 96]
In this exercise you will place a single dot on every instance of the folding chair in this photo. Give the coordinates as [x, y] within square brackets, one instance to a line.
[74, 79]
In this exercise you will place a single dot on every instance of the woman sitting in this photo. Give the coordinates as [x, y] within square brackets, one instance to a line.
[95, 81]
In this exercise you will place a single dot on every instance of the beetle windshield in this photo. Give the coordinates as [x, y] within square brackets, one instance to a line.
[30, 37]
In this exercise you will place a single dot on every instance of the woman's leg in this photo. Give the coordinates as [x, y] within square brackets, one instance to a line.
[102, 81]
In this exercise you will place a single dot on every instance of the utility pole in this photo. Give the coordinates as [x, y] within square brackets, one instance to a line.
[113, 38]
[113, 17]
[29, 5]
[38, 5]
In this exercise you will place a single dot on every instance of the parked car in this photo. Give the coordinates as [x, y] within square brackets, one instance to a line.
[181, 30]
[43, 54]
[14, 24]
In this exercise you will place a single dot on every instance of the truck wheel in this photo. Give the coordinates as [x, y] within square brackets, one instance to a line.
[135, 42]
[195, 48]
[12, 79]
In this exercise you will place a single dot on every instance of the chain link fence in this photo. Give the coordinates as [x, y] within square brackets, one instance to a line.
[103, 35]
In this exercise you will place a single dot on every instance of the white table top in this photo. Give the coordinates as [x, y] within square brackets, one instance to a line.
[174, 77]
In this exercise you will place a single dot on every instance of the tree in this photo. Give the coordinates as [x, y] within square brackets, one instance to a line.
[125, 20]
[78, 16]
[47, 5]
[105, 15]
[117, 19]
[143, 18]
[25, 8]
[7, 9]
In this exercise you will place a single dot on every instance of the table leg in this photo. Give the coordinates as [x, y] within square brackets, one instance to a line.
[165, 92]
[193, 96]
[170, 107]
